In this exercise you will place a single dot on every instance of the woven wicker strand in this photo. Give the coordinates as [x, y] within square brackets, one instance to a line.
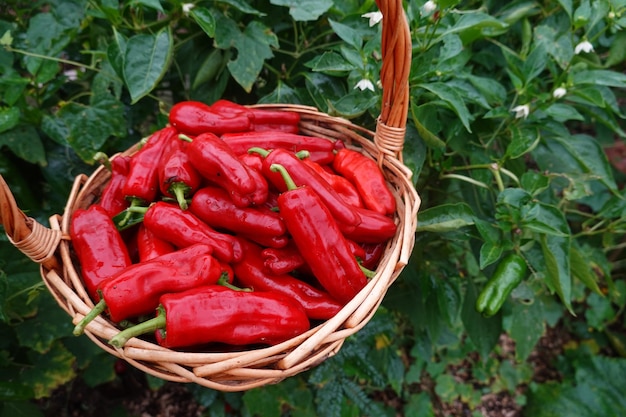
[247, 369]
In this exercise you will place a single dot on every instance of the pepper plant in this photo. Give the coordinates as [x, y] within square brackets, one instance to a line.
[515, 137]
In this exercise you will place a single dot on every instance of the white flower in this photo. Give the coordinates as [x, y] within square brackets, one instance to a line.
[374, 17]
[584, 46]
[521, 111]
[559, 92]
[365, 84]
[71, 74]
[429, 7]
[187, 8]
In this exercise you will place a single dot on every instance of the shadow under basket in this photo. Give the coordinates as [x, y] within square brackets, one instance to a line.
[241, 370]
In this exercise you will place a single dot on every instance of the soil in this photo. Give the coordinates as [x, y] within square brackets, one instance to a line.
[130, 395]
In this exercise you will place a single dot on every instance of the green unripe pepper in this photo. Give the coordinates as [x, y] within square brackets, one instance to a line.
[508, 274]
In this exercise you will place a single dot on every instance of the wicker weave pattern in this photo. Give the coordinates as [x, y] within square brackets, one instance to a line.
[242, 370]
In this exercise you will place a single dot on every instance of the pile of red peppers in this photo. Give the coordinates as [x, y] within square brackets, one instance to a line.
[230, 227]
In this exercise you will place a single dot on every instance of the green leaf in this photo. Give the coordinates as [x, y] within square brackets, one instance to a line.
[556, 256]
[419, 405]
[146, 60]
[324, 89]
[49, 370]
[14, 391]
[152, 4]
[557, 44]
[305, 10]
[617, 50]
[453, 99]
[600, 77]
[534, 64]
[596, 391]
[20, 409]
[9, 118]
[349, 35]
[591, 157]
[244, 6]
[489, 253]
[353, 104]
[475, 25]
[25, 143]
[534, 182]
[41, 332]
[205, 19]
[445, 218]
[527, 327]
[580, 264]
[544, 218]
[563, 112]
[523, 141]
[330, 63]
[484, 332]
[567, 6]
[116, 53]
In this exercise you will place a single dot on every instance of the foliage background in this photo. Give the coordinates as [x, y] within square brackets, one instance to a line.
[545, 180]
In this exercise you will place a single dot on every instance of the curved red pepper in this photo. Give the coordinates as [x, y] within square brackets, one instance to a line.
[374, 227]
[195, 118]
[316, 234]
[261, 119]
[216, 162]
[112, 198]
[149, 246]
[304, 175]
[251, 272]
[214, 206]
[216, 314]
[340, 184]
[369, 180]
[143, 176]
[182, 229]
[321, 150]
[177, 176]
[99, 247]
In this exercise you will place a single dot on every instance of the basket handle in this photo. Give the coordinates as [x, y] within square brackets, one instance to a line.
[396, 49]
[33, 239]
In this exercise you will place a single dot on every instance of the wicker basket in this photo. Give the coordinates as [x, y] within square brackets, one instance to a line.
[242, 370]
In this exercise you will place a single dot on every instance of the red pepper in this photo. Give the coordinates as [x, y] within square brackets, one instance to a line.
[283, 260]
[177, 177]
[340, 184]
[136, 290]
[214, 206]
[369, 180]
[143, 174]
[267, 241]
[149, 246]
[374, 227]
[261, 119]
[216, 314]
[304, 175]
[99, 247]
[316, 234]
[182, 229]
[112, 198]
[216, 162]
[251, 272]
[321, 150]
[195, 118]
[372, 252]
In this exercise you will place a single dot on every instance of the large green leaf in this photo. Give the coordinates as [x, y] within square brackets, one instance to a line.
[600, 77]
[146, 60]
[556, 252]
[305, 10]
[526, 327]
[9, 118]
[41, 332]
[205, 19]
[49, 370]
[453, 100]
[445, 218]
[484, 332]
[25, 143]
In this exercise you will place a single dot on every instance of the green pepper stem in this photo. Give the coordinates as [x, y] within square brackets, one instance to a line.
[180, 190]
[303, 154]
[223, 281]
[291, 185]
[155, 323]
[103, 158]
[368, 272]
[184, 137]
[89, 317]
[260, 151]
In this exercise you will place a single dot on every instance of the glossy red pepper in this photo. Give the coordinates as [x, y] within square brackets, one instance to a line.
[215, 207]
[321, 150]
[182, 228]
[340, 184]
[251, 273]
[195, 118]
[143, 174]
[99, 247]
[373, 228]
[369, 180]
[178, 178]
[372, 253]
[216, 162]
[136, 290]
[304, 175]
[316, 234]
[149, 246]
[216, 314]
[261, 119]
[112, 198]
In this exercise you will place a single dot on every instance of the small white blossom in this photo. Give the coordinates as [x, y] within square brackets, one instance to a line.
[365, 84]
[187, 8]
[559, 92]
[429, 7]
[374, 17]
[71, 74]
[521, 111]
[584, 46]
